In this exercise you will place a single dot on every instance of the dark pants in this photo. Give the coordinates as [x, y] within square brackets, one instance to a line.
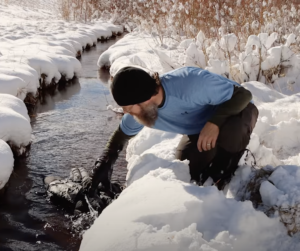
[233, 138]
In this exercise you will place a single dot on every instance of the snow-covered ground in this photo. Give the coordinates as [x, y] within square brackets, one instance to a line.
[37, 49]
[160, 210]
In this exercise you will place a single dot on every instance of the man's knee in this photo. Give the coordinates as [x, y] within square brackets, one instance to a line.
[235, 134]
[185, 146]
[198, 161]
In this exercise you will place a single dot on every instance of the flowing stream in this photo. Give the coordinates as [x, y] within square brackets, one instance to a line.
[70, 129]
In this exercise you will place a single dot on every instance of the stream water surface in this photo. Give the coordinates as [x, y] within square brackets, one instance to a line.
[70, 129]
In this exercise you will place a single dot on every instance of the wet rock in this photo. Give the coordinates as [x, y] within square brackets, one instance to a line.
[75, 175]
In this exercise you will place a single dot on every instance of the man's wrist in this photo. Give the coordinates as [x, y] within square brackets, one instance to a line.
[218, 121]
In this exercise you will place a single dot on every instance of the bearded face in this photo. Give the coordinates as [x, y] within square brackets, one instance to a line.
[147, 115]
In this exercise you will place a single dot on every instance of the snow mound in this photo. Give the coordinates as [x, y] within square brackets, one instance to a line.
[14, 121]
[7, 163]
[277, 127]
[13, 85]
[23, 71]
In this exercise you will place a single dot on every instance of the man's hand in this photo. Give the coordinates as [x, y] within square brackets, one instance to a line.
[72, 193]
[208, 137]
[102, 170]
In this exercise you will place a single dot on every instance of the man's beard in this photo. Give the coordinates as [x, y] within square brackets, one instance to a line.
[148, 115]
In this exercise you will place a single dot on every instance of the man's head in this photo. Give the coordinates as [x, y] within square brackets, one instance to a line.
[136, 92]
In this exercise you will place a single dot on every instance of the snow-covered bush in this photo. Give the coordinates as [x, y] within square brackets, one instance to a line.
[263, 58]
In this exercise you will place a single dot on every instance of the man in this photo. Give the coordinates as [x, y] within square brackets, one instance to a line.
[214, 114]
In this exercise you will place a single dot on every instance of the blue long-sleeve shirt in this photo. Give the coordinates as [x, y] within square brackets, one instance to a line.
[191, 98]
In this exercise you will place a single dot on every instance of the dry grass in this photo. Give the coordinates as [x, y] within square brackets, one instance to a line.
[290, 217]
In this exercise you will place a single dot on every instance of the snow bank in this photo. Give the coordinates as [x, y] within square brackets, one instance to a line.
[160, 210]
[7, 163]
[23, 71]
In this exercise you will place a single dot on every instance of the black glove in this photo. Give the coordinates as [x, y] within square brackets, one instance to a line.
[104, 165]
[103, 170]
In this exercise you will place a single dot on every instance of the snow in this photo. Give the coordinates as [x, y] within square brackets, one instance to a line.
[194, 57]
[274, 59]
[23, 71]
[228, 42]
[35, 44]
[14, 121]
[13, 85]
[160, 210]
[286, 186]
[7, 163]
[138, 49]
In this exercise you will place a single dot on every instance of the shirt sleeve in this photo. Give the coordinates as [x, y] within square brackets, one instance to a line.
[212, 89]
[130, 126]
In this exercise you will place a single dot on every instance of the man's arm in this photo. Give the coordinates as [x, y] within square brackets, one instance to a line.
[238, 102]
[117, 140]
[210, 132]
[103, 167]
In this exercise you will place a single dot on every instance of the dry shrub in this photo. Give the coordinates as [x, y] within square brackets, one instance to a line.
[289, 215]
[251, 190]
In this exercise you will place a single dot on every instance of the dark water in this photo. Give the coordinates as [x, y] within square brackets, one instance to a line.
[70, 129]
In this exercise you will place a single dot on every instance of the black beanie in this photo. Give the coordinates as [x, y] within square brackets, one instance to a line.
[132, 86]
